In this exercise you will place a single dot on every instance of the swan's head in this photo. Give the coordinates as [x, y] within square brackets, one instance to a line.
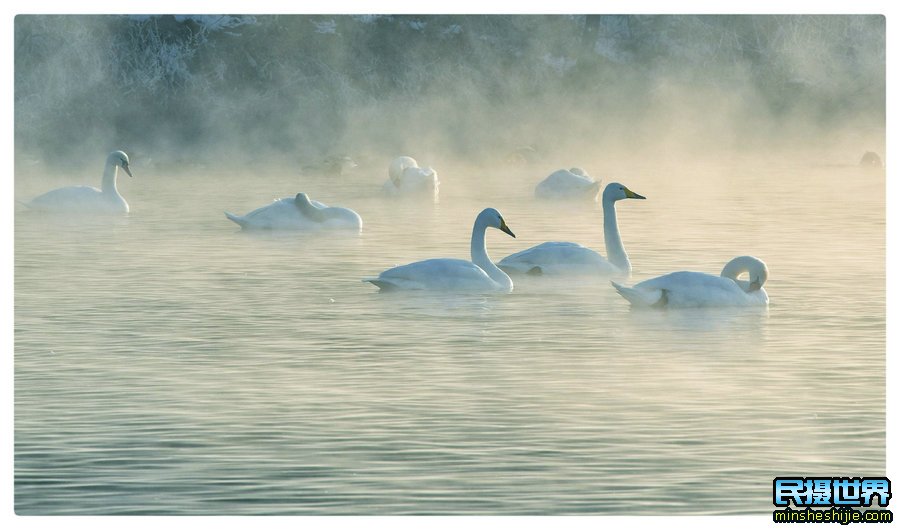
[755, 268]
[301, 199]
[492, 218]
[616, 192]
[120, 159]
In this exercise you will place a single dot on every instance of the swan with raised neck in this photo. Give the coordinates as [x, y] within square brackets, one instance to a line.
[563, 257]
[449, 274]
[89, 199]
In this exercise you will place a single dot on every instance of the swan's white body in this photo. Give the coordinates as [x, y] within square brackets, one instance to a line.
[298, 213]
[572, 183]
[87, 199]
[698, 289]
[447, 274]
[564, 258]
[408, 179]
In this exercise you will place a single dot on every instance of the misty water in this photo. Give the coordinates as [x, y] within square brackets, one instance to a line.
[167, 363]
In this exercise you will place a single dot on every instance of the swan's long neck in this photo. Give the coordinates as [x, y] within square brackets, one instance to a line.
[480, 256]
[754, 267]
[615, 252]
[109, 178]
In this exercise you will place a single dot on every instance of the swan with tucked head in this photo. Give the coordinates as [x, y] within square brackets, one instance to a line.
[556, 257]
[406, 178]
[699, 289]
[88, 199]
[573, 183]
[447, 274]
[298, 213]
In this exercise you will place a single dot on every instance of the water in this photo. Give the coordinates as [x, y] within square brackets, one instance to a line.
[166, 363]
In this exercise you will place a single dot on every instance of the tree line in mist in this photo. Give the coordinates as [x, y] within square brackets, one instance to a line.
[299, 87]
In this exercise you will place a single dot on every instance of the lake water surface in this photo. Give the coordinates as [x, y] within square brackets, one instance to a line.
[166, 363]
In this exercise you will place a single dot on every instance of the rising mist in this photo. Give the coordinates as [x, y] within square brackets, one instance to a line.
[291, 90]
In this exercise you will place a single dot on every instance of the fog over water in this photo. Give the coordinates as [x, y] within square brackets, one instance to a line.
[283, 90]
[168, 363]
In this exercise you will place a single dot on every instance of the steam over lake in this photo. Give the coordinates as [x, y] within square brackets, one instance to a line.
[168, 363]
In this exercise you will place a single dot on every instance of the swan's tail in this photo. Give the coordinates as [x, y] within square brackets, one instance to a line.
[381, 284]
[642, 297]
[236, 218]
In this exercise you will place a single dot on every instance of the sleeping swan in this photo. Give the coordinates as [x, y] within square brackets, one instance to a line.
[574, 183]
[87, 199]
[298, 213]
[447, 274]
[698, 289]
[556, 257]
[407, 178]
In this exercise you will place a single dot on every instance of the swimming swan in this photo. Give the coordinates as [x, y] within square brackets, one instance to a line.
[556, 257]
[698, 289]
[87, 199]
[298, 213]
[447, 274]
[407, 178]
[573, 183]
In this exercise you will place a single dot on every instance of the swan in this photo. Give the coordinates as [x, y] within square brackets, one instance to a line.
[554, 257]
[87, 199]
[407, 178]
[568, 184]
[699, 289]
[298, 213]
[447, 274]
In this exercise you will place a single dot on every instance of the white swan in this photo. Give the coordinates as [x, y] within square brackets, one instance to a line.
[556, 257]
[447, 274]
[298, 213]
[87, 199]
[407, 178]
[698, 289]
[572, 183]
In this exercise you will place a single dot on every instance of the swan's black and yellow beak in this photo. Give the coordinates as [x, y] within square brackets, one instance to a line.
[632, 195]
[125, 167]
[505, 228]
[754, 286]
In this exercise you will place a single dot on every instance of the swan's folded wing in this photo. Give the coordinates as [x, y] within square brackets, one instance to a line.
[556, 256]
[338, 217]
[69, 197]
[696, 289]
[282, 214]
[435, 274]
[419, 178]
[645, 297]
